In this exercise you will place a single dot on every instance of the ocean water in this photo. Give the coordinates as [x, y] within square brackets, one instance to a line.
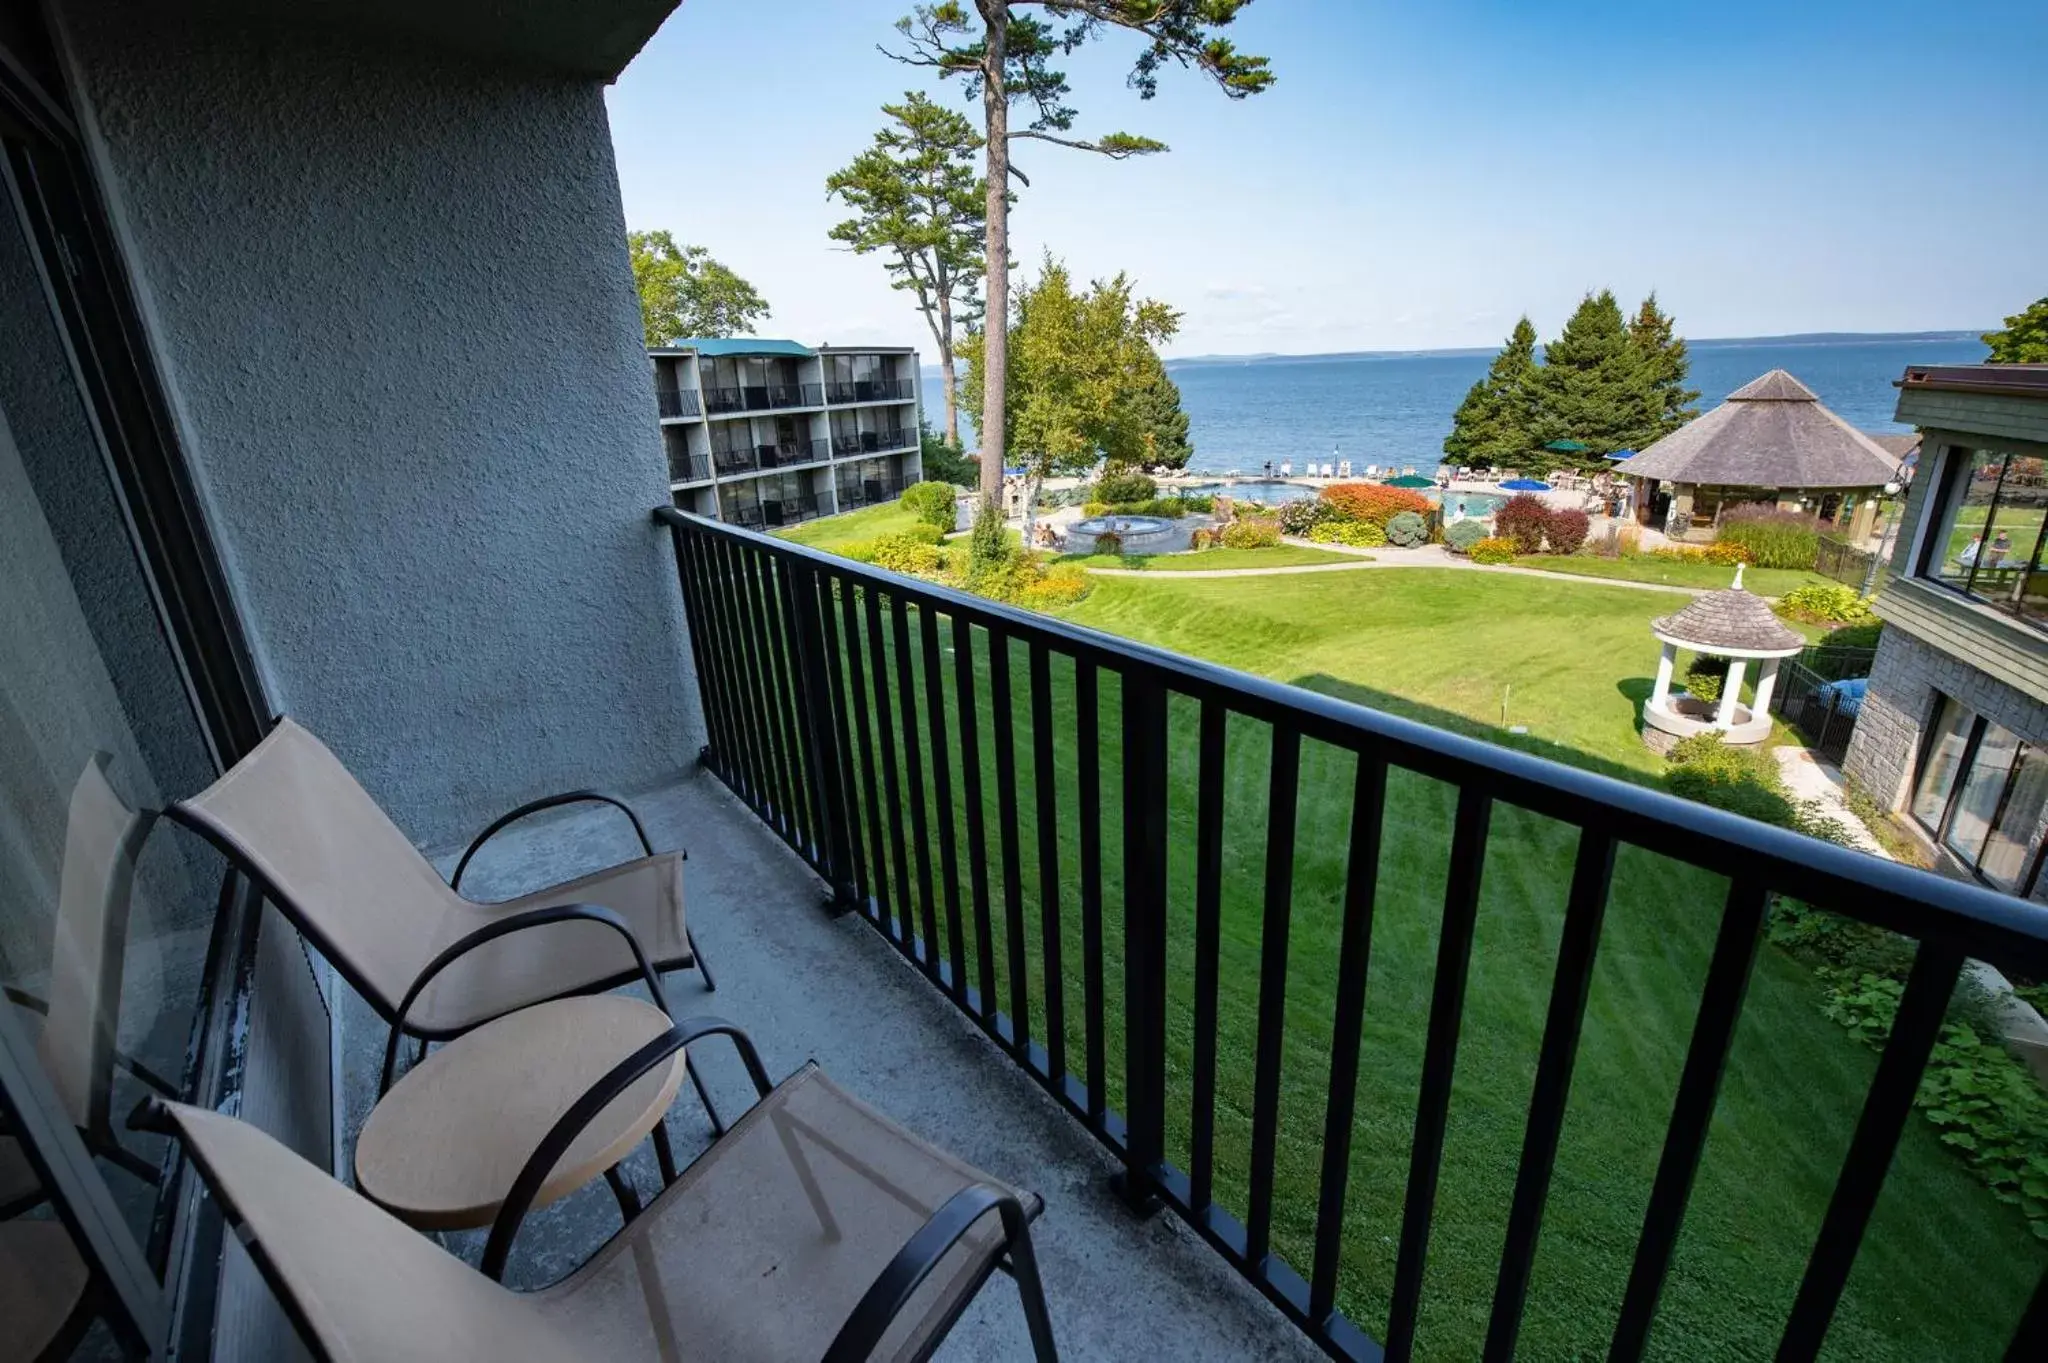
[1396, 409]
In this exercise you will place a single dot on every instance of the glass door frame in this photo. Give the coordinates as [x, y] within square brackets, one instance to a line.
[47, 182]
[1938, 831]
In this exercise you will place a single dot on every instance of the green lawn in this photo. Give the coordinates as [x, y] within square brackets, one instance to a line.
[1762, 581]
[1946, 1269]
[832, 533]
[1279, 556]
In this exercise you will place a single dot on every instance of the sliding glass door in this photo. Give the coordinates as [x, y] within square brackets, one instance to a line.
[1982, 791]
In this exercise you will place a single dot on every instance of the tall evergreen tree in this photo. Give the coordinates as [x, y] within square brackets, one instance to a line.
[1155, 400]
[1660, 352]
[1592, 385]
[1492, 425]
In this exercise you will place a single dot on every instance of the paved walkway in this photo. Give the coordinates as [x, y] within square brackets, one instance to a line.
[1428, 556]
[1810, 778]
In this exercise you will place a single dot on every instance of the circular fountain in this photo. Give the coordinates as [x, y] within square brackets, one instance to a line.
[1138, 533]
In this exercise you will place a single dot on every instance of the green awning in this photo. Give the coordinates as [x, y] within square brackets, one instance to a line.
[1411, 480]
[740, 345]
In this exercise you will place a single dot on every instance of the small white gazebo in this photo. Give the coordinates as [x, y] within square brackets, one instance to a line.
[1732, 624]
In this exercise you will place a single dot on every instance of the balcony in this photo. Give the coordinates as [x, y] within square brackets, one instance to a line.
[719, 401]
[871, 390]
[787, 452]
[868, 492]
[688, 468]
[677, 402]
[874, 442]
[911, 744]
[735, 459]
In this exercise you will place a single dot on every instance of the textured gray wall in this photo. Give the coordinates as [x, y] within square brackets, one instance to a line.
[391, 295]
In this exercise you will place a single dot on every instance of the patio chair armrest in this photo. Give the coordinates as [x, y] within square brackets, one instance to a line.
[567, 797]
[877, 1308]
[504, 926]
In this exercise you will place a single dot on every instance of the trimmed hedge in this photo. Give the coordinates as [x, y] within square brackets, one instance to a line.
[1462, 535]
[1567, 530]
[932, 504]
[1493, 549]
[1359, 534]
[1522, 522]
[1254, 534]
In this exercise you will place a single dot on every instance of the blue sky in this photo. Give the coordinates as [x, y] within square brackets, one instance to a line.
[1420, 173]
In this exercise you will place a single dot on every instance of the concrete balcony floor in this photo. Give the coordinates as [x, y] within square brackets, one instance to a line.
[807, 986]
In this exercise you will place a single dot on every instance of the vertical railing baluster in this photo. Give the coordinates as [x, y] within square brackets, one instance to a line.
[1045, 780]
[1145, 861]
[1283, 795]
[718, 741]
[942, 797]
[896, 913]
[805, 598]
[1088, 760]
[1209, 779]
[1915, 1029]
[754, 567]
[875, 890]
[1439, 1061]
[913, 773]
[833, 588]
[1585, 910]
[709, 561]
[755, 680]
[1003, 719]
[1699, 1084]
[776, 631]
[2030, 1338]
[1354, 958]
[977, 832]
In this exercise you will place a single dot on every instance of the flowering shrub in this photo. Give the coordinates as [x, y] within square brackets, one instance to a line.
[1301, 518]
[1523, 521]
[1774, 538]
[1260, 534]
[1493, 550]
[1727, 553]
[1462, 535]
[1360, 534]
[1118, 488]
[906, 553]
[1567, 531]
[1825, 603]
[1059, 587]
[1407, 529]
[1374, 502]
[1109, 542]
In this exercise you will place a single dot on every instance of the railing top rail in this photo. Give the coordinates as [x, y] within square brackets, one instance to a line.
[1976, 919]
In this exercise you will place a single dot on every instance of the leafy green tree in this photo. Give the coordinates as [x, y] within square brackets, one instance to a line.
[1492, 425]
[1661, 357]
[1155, 400]
[2024, 339]
[1591, 385]
[916, 198]
[943, 459]
[1005, 58]
[684, 292]
[1080, 367]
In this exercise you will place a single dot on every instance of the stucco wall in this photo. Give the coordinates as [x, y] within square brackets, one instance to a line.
[391, 295]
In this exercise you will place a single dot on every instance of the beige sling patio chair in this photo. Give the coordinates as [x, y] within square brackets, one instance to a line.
[432, 962]
[815, 1228]
[75, 1031]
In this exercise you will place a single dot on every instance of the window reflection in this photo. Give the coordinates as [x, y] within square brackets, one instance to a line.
[1988, 536]
[1982, 791]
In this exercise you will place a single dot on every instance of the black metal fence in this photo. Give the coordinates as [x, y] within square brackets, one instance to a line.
[1846, 564]
[1050, 823]
[674, 402]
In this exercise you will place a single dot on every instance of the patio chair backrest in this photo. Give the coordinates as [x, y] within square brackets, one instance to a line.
[337, 866]
[360, 1282]
[102, 836]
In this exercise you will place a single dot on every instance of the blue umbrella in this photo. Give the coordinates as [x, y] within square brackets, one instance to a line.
[1525, 485]
[1620, 455]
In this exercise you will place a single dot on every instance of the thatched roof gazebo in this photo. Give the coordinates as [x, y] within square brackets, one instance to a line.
[1771, 441]
[1732, 624]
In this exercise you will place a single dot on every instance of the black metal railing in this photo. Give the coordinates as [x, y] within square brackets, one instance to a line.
[1821, 696]
[1846, 564]
[868, 492]
[785, 452]
[1050, 824]
[875, 442]
[688, 468]
[792, 395]
[677, 402]
[718, 400]
[773, 513]
[871, 390]
[735, 459]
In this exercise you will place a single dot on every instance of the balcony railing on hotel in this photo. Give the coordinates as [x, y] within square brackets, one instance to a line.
[688, 468]
[677, 402]
[785, 452]
[735, 459]
[871, 390]
[773, 513]
[874, 442]
[869, 491]
[849, 707]
[717, 400]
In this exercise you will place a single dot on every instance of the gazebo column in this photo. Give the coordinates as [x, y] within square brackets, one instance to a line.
[1766, 683]
[1662, 690]
[1724, 718]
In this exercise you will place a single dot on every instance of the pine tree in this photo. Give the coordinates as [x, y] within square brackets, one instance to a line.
[1155, 398]
[1667, 402]
[1492, 425]
[1592, 385]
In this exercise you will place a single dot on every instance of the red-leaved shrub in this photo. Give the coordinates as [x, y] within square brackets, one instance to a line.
[1567, 531]
[1373, 503]
[1523, 520]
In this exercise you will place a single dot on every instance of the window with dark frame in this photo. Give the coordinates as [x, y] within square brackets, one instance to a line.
[1986, 531]
[1981, 792]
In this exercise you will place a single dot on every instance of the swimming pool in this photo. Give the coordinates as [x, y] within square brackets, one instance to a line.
[1457, 505]
[1467, 505]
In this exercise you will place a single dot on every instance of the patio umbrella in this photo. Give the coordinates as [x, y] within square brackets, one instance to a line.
[1524, 485]
[1565, 446]
[1410, 480]
[1618, 455]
